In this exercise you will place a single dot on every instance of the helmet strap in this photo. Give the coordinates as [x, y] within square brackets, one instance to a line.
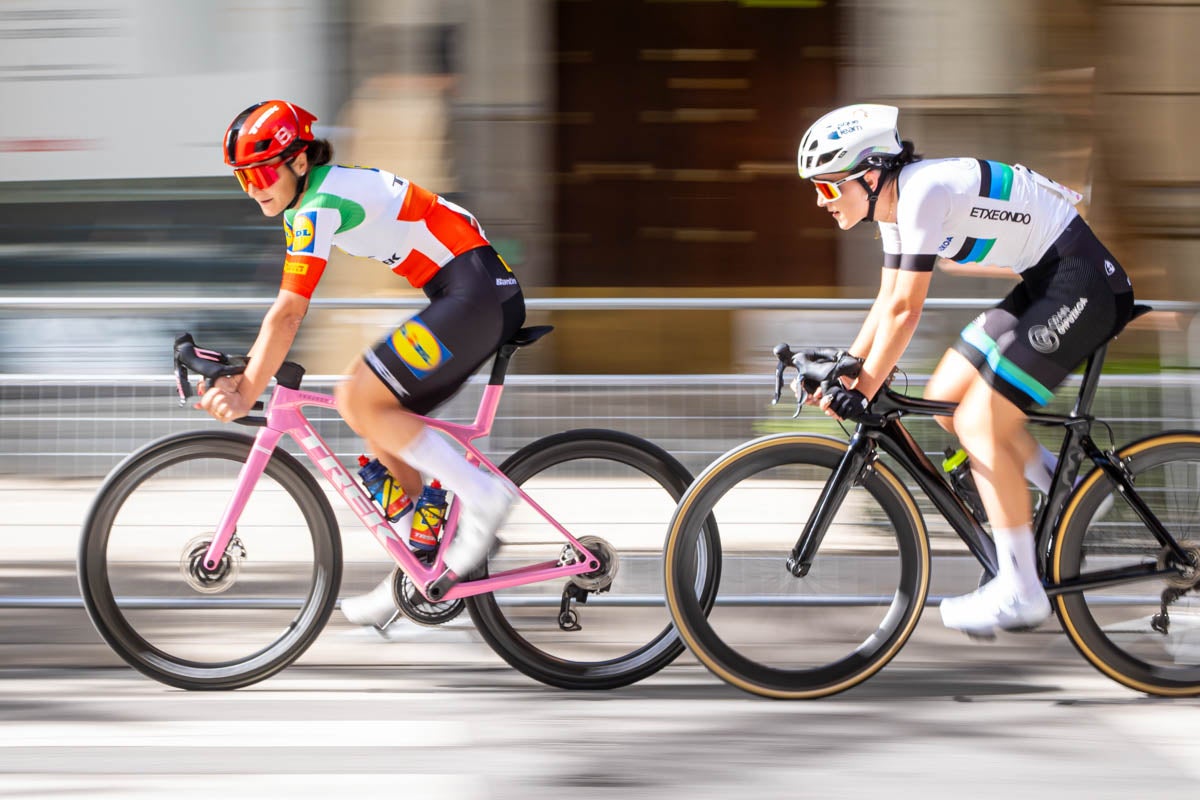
[872, 195]
[302, 183]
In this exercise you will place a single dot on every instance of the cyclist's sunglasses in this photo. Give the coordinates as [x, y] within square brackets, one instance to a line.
[263, 176]
[829, 189]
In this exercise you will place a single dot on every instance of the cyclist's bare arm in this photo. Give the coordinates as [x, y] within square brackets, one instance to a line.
[232, 398]
[866, 335]
[864, 342]
[897, 321]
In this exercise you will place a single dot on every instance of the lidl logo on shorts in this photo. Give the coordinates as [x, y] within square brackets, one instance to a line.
[304, 227]
[418, 348]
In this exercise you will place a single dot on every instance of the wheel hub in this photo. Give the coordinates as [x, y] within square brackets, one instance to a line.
[599, 579]
[1188, 576]
[215, 581]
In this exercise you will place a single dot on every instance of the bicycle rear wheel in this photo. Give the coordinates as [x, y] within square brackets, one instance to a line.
[139, 563]
[1115, 627]
[777, 635]
[601, 486]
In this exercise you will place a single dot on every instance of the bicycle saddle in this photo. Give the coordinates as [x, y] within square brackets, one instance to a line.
[527, 336]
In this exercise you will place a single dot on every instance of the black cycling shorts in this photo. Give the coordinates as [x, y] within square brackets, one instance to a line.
[476, 306]
[1076, 298]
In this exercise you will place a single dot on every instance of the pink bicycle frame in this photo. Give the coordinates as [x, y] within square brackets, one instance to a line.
[284, 416]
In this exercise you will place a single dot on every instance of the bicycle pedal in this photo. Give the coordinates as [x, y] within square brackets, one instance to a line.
[980, 636]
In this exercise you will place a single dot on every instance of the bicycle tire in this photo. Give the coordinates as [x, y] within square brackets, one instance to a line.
[137, 512]
[1112, 627]
[522, 635]
[840, 627]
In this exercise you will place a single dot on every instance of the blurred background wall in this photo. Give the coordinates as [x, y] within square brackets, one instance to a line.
[609, 147]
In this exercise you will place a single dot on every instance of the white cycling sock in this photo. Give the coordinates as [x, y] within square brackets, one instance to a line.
[1017, 562]
[433, 455]
[1040, 469]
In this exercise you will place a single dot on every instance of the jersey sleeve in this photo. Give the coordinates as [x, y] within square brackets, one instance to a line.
[889, 233]
[921, 218]
[309, 240]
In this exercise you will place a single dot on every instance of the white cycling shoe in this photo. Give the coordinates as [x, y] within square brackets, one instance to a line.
[994, 606]
[477, 529]
[376, 608]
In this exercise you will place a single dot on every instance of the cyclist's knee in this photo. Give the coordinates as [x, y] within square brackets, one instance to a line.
[984, 414]
[344, 399]
[353, 399]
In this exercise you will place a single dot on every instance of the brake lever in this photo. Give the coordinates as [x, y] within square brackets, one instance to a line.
[786, 358]
[784, 355]
[211, 364]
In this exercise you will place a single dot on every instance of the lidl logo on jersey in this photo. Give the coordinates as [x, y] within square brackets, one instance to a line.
[304, 228]
[418, 348]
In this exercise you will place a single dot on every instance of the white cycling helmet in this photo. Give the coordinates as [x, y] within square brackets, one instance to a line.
[850, 137]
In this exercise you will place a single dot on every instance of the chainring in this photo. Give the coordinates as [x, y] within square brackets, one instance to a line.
[417, 607]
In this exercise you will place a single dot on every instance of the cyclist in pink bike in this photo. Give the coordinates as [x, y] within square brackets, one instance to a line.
[475, 306]
[1073, 297]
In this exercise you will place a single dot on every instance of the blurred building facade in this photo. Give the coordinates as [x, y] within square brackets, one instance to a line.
[633, 147]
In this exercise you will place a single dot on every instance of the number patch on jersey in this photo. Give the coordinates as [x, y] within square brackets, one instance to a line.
[418, 348]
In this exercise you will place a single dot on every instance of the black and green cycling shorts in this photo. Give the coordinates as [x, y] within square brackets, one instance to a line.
[1076, 298]
[475, 306]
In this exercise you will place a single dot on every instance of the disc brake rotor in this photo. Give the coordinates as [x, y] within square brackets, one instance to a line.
[191, 565]
[600, 579]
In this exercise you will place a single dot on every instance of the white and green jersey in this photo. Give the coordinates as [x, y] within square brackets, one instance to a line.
[368, 212]
[970, 210]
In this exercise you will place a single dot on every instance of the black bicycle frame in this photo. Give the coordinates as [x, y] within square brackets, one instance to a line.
[883, 430]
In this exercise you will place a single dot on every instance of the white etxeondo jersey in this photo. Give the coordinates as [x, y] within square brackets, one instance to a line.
[975, 211]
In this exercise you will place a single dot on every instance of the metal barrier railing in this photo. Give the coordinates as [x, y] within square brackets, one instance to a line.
[67, 431]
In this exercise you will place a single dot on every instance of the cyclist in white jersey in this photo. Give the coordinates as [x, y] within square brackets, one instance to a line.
[1073, 297]
[475, 306]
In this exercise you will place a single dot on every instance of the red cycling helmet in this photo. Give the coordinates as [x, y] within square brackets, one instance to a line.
[266, 130]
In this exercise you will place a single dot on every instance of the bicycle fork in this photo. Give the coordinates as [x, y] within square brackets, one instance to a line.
[857, 459]
[256, 463]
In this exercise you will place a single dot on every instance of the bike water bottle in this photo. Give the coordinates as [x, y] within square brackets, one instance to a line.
[958, 468]
[383, 488]
[428, 518]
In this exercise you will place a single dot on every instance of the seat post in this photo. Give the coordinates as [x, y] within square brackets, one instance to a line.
[500, 365]
[1091, 380]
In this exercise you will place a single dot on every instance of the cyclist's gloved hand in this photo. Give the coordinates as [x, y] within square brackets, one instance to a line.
[848, 365]
[846, 403]
[821, 354]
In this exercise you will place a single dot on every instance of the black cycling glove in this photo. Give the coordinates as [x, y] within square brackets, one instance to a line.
[847, 403]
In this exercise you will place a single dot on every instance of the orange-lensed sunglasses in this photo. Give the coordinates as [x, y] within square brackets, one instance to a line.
[262, 176]
[829, 189]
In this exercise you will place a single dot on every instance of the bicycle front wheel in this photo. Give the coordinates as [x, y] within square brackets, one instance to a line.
[1123, 630]
[145, 536]
[616, 493]
[777, 635]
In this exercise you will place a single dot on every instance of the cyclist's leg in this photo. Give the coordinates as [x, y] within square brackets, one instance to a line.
[949, 383]
[476, 306]
[368, 406]
[1063, 310]
[967, 358]
[992, 429]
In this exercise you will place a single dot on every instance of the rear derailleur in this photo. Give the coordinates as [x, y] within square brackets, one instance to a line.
[578, 587]
[1177, 585]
